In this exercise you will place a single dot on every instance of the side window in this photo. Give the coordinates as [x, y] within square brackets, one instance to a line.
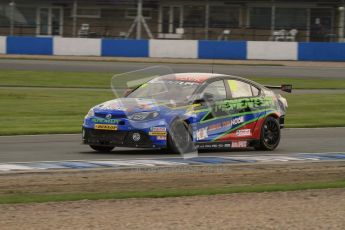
[217, 90]
[242, 89]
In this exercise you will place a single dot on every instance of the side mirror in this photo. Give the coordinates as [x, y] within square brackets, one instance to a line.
[208, 97]
[205, 97]
[127, 92]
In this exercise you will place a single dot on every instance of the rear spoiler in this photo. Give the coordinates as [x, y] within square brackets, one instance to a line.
[285, 88]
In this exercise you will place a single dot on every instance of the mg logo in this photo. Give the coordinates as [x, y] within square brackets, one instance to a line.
[108, 116]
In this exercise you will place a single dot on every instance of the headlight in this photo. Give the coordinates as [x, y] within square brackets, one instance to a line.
[143, 116]
[91, 113]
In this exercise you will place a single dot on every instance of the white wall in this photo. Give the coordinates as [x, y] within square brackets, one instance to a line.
[3, 45]
[77, 46]
[272, 50]
[173, 48]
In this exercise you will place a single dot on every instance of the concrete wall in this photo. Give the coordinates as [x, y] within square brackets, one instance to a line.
[237, 50]
[3, 45]
[320, 51]
[125, 48]
[29, 45]
[77, 46]
[174, 48]
[272, 50]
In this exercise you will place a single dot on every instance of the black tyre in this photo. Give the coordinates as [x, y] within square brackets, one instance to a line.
[102, 149]
[270, 135]
[179, 139]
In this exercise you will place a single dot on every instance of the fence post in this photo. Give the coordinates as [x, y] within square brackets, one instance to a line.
[341, 24]
[75, 12]
[12, 5]
[139, 18]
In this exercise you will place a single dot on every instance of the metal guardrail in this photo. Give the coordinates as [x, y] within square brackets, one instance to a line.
[193, 33]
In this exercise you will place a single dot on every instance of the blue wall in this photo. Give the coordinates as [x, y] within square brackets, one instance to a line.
[321, 51]
[223, 50]
[29, 45]
[125, 48]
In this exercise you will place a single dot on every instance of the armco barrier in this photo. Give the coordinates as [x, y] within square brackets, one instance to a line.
[3, 45]
[236, 50]
[29, 45]
[272, 50]
[174, 48]
[77, 46]
[125, 48]
[321, 51]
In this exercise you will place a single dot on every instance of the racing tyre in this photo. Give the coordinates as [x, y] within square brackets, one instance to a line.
[102, 149]
[179, 138]
[270, 135]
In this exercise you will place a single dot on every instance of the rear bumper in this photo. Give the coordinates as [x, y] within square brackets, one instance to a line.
[117, 138]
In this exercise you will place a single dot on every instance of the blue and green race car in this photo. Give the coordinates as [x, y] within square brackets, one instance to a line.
[189, 111]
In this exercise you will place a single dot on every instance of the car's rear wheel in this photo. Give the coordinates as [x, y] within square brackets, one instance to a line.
[179, 138]
[102, 149]
[270, 135]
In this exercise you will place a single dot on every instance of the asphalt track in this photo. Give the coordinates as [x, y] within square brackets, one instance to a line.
[69, 147]
[121, 67]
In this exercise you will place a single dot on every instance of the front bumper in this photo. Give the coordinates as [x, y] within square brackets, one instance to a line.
[119, 138]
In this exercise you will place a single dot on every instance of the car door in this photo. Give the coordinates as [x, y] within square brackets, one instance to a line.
[232, 117]
[207, 126]
[243, 110]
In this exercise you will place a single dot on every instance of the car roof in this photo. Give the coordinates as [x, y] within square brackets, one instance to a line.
[202, 77]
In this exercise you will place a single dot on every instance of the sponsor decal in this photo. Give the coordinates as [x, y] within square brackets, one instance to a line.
[201, 134]
[158, 129]
[105, 127]
[161, 138]
[157, 133]
[106, 121]
[240, 104]
[243, 132]
[214, 127]
[213, 146]
[197, 79]
[113, 107]
[182, 82]
[136, 137]
[239, 144]
[234, 121]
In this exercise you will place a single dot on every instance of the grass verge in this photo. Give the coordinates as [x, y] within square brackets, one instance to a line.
[45, 111]
[102, 80]
[36, 111]
[315, 110]
[40, 198]
[61, 108]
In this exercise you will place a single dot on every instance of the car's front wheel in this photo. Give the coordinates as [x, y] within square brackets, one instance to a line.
[179, 139]
[102, 149]
[270, 135]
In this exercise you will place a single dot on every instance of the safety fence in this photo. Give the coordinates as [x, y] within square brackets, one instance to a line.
[235, 50]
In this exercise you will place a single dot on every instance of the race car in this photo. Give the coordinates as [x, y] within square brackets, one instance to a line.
[189, 111]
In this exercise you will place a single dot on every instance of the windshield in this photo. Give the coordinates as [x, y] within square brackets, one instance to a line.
[163, 90]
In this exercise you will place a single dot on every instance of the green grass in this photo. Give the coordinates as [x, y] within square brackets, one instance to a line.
[303, 83]
[54, 79]
[102, 80]
[34, 111]
[39, 111]
[44, 110]
[39, 198]
[315, 110]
